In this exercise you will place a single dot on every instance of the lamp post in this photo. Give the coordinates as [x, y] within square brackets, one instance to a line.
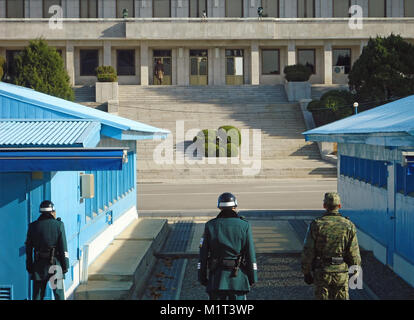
[356, 107]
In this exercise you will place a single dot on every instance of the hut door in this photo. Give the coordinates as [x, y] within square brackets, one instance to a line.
[198, 67]
[234, 66]
[14, 216]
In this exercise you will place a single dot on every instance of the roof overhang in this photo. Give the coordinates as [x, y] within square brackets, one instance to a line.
[61, 159]
[378, 139]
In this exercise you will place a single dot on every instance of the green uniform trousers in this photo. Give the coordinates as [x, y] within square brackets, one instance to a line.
[227, 295]
[331, 285]
[39, 290]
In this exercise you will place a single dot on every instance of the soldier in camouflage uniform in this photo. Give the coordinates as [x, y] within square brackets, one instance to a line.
[227, 265]
[330, 248]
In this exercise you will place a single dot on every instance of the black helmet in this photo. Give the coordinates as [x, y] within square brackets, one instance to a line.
[226, 200]
[47, 206]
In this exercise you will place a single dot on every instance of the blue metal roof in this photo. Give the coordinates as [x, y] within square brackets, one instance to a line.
[394, 120]
[53, 133]
[77, 110]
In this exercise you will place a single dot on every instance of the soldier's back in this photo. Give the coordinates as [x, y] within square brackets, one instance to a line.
[333, 236]
[227, 235]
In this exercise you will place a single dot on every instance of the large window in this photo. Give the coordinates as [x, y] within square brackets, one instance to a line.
[125, 62]
[369, 171]
[306, 8]
[377, 8]
[341, 8]
[161, 8]
[270, 8]
[405, 181]
[307, 58]
[125, 4]
[110, 187]
[88, 8]
[89, 61]
[47, 4]
[14, 8]
[342, 57]
[408, 8]
[234, 8]
[270, 61]
[197, 7]
[10, 56]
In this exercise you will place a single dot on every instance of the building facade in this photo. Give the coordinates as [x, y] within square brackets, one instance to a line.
[48, 146]
[376, 179]
[232, 45]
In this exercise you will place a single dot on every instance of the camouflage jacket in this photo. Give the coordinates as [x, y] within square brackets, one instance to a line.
[331, 235]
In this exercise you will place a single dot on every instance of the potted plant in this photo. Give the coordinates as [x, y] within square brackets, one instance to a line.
[297, 86]
[107, 85]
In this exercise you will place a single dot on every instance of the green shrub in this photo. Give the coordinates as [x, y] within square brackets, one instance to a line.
[232, 133]
[2, 62]
[210, 149]
[106, 74]
[232, 150]
[297, 73]
[333, 105]
[206, 135]
[40, 67]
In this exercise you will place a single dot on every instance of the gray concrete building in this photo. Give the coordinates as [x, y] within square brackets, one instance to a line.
[204, 42]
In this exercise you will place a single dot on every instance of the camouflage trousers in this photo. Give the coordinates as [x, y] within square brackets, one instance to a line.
[331, 286]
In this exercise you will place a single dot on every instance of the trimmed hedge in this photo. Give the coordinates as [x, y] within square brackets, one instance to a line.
[210, 149]
[233, 134]
[333, 105]
[297, 73]
[106, 74]
[2, 62]
[206, 136]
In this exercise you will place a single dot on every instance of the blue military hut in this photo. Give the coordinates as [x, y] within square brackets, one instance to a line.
[82, 159]
[376, 179]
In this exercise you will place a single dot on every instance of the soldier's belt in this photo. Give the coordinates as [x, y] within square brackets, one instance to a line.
[331, 260]
[43, 254]
[228, 263]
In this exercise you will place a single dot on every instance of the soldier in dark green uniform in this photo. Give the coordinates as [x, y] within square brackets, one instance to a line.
[330, 248]
[50, 259]
[227, 265]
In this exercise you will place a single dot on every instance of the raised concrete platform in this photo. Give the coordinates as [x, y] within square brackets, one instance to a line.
[123, 267]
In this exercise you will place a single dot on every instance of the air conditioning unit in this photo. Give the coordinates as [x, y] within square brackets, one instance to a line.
[339, 69]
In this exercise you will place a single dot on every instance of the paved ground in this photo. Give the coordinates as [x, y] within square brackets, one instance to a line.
[283, 194]
[278, 244]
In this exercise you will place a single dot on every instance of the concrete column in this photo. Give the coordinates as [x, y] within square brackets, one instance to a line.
[362, 45]
[255, 72]
[180, 66]
[217, 65]
[291, 53]
[144, 63]
[107, 53]
[328, 62]
[70, 61]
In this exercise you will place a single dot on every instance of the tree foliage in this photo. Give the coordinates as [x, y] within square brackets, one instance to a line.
[41, 68]
[385, 70]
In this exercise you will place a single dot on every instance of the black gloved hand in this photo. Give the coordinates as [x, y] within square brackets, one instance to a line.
[308, 278]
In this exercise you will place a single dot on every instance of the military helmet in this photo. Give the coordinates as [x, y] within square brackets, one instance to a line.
[332, 199]
[226, 200]
[47, 206]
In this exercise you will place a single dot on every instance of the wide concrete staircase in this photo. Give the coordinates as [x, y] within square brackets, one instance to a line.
[284, 152]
